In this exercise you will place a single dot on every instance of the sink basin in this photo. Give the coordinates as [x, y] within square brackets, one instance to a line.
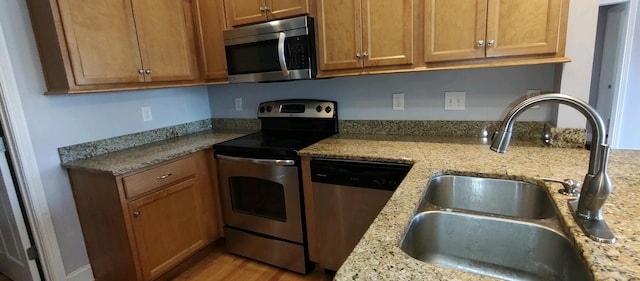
[494, 196]
[497, 247]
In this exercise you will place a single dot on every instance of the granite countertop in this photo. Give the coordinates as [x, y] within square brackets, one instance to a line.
[131, 159]
[378, 256]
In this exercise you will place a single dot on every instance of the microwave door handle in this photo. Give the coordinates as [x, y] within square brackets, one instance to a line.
[281, 58]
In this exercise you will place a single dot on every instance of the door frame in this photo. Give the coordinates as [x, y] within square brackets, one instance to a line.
[28, 178]
[623, 66]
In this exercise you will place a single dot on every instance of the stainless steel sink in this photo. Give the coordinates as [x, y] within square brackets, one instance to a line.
[501, 228]
[491, 246]
[494, 196]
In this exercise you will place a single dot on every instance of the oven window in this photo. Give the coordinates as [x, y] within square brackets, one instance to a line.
[258, 197]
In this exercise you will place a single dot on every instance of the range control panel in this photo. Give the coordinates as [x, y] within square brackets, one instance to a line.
[298, 108]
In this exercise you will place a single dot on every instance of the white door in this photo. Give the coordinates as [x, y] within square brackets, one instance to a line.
[14, 240]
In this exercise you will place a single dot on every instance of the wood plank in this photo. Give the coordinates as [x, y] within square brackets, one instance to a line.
[220, 265]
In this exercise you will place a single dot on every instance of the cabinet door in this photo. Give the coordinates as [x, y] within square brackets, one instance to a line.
[167, 227]
[339, 34]
[387, 32]
[523, 27]
[279, 9]
[102, 41]
[240, 12]
[211, 24]
[453, 29]
[166, 37]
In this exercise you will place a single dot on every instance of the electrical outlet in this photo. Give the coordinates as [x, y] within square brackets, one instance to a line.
[398, 101]
[531, 93]
[454, 100]
[238, 104]
[146, 114]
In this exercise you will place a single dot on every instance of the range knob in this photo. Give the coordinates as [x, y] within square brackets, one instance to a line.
[327, 109]
[269, 108]
[319, 108]
[262, 109]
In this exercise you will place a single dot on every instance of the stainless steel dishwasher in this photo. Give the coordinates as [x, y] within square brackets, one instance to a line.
[348, 195]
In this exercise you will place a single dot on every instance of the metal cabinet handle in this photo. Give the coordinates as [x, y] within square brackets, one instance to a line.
[357, 55]
[141, 71]
[281, 57]
[480, 43]
[136, 214]
[262, 9]
[490, 43]
[148, 71]
[270, 162]
[164, 176]
[365, 54]
[266, 9]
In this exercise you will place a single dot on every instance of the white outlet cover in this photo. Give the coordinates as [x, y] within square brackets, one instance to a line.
[398, 101]
[454, 100]
[146, 114]
[238, 104]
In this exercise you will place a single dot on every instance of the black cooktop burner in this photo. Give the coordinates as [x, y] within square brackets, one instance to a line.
[270, 143]
[287, 126]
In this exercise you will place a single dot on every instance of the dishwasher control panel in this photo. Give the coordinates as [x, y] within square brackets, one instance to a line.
[377, 175]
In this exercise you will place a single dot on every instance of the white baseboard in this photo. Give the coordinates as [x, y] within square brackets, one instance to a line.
[81, 274]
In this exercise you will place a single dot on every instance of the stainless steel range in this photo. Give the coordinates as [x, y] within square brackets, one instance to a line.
[260, 184]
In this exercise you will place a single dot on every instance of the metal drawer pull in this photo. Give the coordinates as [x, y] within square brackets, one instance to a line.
[490, 43]
[164, 176]
[136, 214]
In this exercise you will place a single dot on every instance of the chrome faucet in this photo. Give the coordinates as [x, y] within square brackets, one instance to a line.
[596, 186]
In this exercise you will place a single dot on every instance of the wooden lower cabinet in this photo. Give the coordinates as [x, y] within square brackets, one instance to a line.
[141, 225]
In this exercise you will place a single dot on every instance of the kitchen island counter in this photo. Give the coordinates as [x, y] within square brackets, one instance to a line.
[378, 255]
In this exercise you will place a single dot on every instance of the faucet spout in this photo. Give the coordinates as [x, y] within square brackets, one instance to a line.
[596, 186]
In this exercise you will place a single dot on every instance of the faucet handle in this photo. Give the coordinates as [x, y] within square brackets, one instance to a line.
[570, 186]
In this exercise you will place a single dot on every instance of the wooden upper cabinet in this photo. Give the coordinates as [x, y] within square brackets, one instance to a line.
[102, 41]
[523, 27]
[339, 31]
[211, 43]
[279, 9]
[364, 33]
[103, 45]
[166, 39]
[456, 30]
[242, 12]
[387, 30]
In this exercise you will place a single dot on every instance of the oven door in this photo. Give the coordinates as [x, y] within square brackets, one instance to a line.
[261, 195]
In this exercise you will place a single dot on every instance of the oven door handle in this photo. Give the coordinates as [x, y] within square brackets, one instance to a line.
[270, 162]
[281, 57]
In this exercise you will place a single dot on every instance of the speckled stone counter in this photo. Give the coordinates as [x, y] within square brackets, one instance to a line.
[131, 159]
[378, 256]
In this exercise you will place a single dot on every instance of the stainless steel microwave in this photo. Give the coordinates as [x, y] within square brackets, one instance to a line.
[271, 51]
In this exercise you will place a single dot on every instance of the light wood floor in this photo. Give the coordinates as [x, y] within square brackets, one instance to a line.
[219, 265]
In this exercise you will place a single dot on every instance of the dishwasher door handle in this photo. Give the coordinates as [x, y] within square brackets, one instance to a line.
[268, 162]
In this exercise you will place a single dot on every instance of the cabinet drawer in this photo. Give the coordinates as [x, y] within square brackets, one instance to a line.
[140, 183]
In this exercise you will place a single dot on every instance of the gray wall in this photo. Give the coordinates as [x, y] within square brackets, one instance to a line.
[490, 91]
[56, 121]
